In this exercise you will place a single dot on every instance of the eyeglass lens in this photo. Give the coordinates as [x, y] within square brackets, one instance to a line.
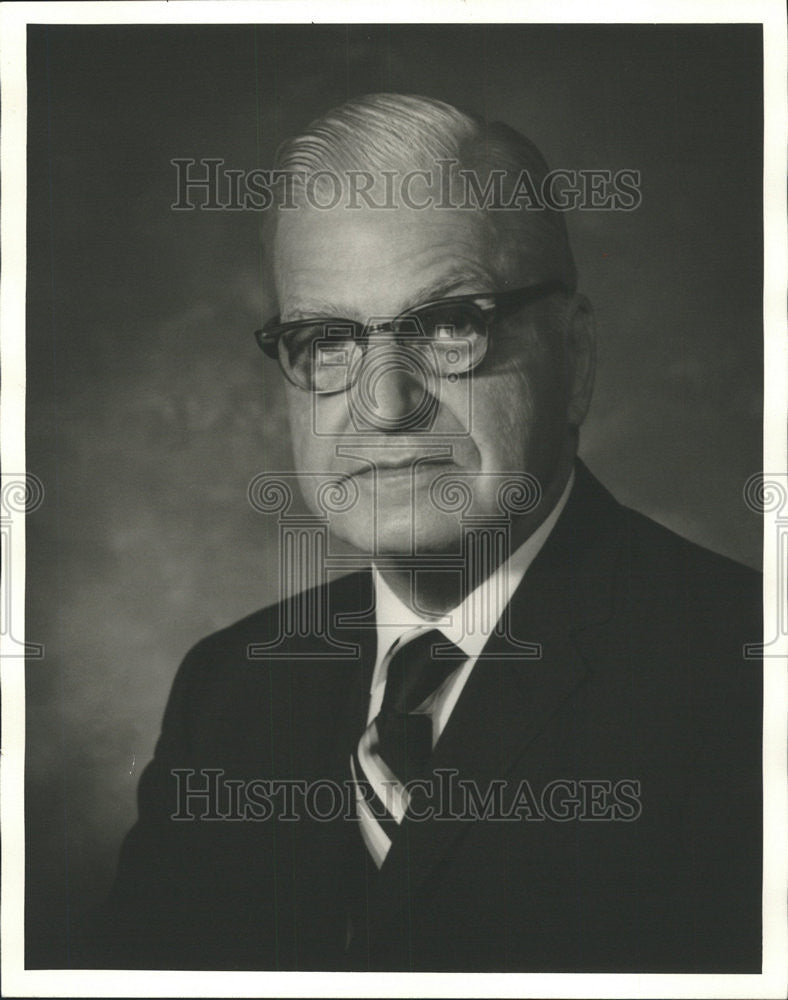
[447, 341]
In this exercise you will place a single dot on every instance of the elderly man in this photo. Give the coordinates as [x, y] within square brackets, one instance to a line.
[534, 701]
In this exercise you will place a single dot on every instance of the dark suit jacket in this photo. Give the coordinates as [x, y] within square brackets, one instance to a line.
[641, 677]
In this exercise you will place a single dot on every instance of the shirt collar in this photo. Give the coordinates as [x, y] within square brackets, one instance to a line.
[480, 610]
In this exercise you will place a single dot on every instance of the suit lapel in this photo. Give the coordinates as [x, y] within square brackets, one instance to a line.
[352, 608]
[507, 700]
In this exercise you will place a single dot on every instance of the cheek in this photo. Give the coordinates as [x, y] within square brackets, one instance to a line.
[519, 417]
[302, 417]
[502, 421]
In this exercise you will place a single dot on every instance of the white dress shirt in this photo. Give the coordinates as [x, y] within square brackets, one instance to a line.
[469, 625]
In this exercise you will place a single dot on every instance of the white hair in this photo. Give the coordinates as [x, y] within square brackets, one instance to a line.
[405, 132]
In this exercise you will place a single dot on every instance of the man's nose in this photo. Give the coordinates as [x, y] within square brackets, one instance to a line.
[395, 389]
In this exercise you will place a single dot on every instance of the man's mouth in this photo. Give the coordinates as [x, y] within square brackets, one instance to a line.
[401, 466]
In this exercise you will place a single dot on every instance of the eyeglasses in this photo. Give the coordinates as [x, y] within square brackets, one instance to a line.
[446, 338]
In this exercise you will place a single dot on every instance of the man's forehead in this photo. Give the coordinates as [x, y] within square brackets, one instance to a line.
[345, 261]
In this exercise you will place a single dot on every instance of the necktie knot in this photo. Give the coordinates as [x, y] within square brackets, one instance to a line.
[417, 669]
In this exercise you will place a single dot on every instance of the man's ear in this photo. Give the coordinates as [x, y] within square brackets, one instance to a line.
[581, 358]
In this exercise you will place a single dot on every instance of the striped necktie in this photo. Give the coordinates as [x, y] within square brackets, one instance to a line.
[396, 746]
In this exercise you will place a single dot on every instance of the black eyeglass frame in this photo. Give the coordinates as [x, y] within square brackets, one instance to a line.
[495, 305]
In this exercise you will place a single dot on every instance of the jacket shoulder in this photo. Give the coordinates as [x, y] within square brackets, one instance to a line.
[299, 621]
[668, 575]
[668, 558]
[697, 613]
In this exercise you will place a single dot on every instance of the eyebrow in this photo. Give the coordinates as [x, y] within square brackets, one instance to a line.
[427, 293]
[437, 290]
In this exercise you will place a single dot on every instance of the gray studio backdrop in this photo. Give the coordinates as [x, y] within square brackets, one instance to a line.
[150, 408]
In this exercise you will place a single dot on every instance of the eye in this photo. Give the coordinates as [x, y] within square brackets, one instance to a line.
[323, 335]
[302, 336]
[451, 322]
[321, 355]
[455, 335]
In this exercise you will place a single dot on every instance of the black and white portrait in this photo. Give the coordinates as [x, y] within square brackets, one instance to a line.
[395, 487]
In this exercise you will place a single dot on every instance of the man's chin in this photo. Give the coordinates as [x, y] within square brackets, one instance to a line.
[395, 537]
